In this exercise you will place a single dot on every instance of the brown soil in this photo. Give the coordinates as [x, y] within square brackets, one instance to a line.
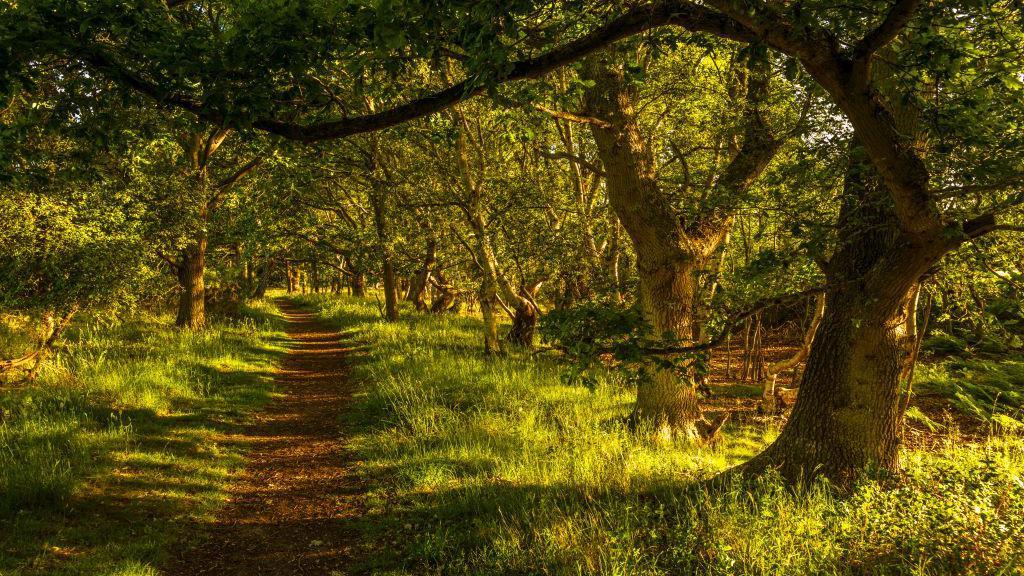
[291, 511]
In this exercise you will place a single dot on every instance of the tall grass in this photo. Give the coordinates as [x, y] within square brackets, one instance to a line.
[126, 431]
[495, 466]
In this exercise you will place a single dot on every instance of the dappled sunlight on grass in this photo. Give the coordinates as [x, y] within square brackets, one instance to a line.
[483, 465]
[127, 432]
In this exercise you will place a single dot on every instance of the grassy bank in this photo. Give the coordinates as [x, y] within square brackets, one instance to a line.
[495, 466]
[124, 440]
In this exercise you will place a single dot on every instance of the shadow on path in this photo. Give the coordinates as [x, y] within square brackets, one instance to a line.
[294, 510]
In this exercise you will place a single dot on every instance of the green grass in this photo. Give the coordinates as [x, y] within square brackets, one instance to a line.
[495, 466]
[124, 443]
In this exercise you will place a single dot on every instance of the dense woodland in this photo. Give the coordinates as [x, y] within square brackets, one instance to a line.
[669, 287]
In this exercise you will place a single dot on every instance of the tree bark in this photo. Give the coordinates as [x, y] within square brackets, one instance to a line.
[488, 303]
[670, 254]
[494, 284]
[524, 320]
[768, 395]
[420, 281]
[378, 199]
[846, 416]
[192, 298]
[263, 279]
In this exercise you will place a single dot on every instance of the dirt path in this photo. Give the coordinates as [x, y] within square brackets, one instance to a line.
[291, 511]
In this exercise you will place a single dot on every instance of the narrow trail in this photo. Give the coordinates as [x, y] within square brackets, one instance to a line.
[292, 509]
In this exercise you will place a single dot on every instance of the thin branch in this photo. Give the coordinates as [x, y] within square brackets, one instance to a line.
[241, 172]
[571, 117]
[573, 158]
[733, 321]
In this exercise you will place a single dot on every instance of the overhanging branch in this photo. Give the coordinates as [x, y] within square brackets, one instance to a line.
[667, 12]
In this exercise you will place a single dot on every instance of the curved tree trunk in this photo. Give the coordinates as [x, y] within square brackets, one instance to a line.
[846, 417]
[420, 281]
[525, 317]
[54, 328]
[769, 402]
[670, 253]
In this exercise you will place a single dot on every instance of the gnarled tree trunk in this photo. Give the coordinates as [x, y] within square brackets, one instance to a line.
[525, 317]
[420, 280]
[669, 254]
[846, 417]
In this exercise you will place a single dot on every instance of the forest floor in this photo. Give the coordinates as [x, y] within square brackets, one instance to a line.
[312, 437]
[292, 509]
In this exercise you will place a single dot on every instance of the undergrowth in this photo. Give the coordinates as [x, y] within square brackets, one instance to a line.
[497, 466]
[123, 439]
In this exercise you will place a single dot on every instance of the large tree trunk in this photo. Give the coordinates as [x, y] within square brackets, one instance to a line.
[846, 417]
[665, 268]
[192, 299]
[669, 253]
[667, 290]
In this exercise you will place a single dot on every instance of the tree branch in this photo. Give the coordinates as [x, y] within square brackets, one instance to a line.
[573, 158]
[665, 12]
[569, 116]
[895, 21]
[733, 321]
[241, 172]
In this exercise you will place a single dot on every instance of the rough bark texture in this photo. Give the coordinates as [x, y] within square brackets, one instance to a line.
[846, 416]
[420, 280]
[525, 317]
[192, 298]
[669, 253]
[488, 303]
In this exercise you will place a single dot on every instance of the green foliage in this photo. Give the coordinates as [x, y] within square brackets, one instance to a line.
[940, 343]
[601, 334]
[495, 466]
[990, 391]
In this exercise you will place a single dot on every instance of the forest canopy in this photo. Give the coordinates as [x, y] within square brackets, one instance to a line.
[674, 196]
